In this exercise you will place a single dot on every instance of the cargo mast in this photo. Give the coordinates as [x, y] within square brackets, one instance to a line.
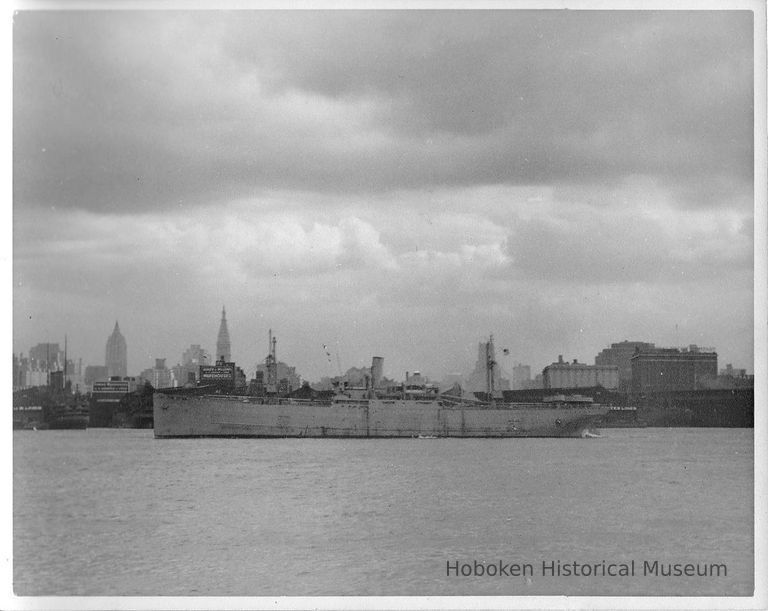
[490, 364]
[272, 364]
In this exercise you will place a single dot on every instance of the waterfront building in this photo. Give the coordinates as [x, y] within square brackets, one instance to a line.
[75, 376]
[56, 381]
[580, 375]
[722, 382]
[105, 400]
[521, 377]
[225, 375]
[665, 369]
[27, 372]
[731, 372]
[16, 379]
[181, 376]
[188, 371]
[116, 360]
[21, 373]
[159, 376]
[46, 357]
[93, 374]
[195, 356]
[620, 354]
[223, 346]
[35, 370]
[34, 377]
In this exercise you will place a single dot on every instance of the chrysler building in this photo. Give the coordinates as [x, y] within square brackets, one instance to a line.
[223, 348]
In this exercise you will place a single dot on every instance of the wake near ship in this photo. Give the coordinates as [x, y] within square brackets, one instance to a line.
[201, 412]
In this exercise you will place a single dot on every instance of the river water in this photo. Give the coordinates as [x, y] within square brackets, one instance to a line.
[116, 512]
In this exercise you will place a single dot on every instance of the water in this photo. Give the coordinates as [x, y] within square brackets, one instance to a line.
[117, 512]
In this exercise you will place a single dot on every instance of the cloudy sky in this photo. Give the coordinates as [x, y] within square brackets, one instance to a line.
[392, 183]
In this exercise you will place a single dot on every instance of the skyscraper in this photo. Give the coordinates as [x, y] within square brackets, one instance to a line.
[478, 379]
[521, 377]
[621, 354]
[47, 357]
[117, 354]
[223, 347]
[666, 369]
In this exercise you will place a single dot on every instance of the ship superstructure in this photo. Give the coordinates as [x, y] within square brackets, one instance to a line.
[201, 413]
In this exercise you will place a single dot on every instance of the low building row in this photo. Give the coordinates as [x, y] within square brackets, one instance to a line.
[640, 367]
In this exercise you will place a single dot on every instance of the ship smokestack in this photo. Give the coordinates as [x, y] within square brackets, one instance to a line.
[377, 366]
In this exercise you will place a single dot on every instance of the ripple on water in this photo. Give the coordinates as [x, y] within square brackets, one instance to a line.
[115, 512]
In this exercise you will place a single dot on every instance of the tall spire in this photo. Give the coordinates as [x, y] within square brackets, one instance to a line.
[117, 354]
[223, 347]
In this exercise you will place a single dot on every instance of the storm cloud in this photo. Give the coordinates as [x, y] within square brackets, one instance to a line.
[401, 181]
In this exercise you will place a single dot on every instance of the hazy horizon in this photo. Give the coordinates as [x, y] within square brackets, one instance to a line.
[390, 183]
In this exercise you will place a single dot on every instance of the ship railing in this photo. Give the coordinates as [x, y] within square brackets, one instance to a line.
[539, 405]
[295, 401]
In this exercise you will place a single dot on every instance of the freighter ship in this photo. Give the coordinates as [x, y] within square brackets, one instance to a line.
[199, 412]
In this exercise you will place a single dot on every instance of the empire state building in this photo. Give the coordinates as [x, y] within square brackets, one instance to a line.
[223, 347]
[117, 354]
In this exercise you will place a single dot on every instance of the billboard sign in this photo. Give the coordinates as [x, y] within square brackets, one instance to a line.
[217, 373]
[111, 387]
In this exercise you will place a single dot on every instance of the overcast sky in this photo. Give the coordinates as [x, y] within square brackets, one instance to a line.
[399, 184]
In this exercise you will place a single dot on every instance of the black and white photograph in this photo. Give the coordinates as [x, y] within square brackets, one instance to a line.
[323, 306]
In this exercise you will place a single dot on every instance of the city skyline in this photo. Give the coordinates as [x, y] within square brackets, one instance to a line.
[504, 361]
[398, 184]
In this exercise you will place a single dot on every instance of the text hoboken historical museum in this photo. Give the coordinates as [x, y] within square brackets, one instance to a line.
[558, 568]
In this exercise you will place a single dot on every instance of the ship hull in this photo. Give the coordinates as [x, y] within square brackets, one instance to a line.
[179, 415]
